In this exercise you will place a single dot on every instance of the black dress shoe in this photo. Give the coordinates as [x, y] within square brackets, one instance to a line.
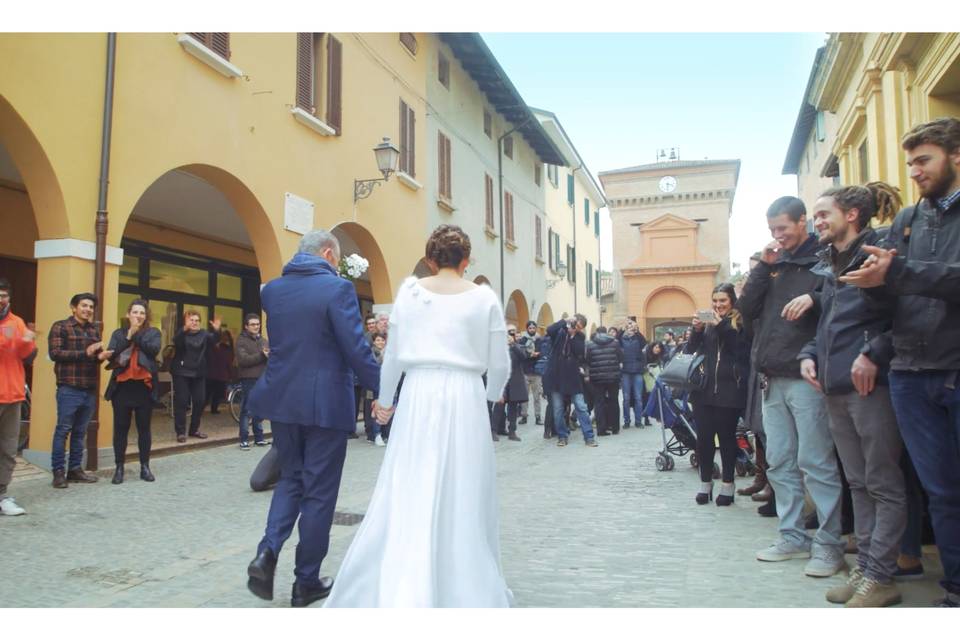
[78, 475]
[260, 571]
[145, 473]
[118, 475]
[304, 596]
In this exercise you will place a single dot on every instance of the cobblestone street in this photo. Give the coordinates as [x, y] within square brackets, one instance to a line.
[580, 528]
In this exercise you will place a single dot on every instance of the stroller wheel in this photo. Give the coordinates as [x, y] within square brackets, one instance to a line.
[661, 463]
[693, 460]
[670, 463]
[741, 469]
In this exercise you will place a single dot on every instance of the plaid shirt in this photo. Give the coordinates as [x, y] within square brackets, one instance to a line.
[68, 342]
[948, 201]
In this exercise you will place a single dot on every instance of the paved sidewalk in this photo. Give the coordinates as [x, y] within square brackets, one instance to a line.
[580, 527]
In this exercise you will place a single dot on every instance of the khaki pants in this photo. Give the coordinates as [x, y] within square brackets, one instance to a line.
[534, 392]
[9, 436]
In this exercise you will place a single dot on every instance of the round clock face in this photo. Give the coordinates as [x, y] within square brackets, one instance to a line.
[668, 184]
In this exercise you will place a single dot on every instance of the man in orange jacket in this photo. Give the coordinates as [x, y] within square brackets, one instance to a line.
[17, 343]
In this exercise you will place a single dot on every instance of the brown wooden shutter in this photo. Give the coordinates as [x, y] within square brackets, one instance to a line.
[305, 58]
[488, 190]
[411, 143]
[403, 137]
[334, 83]
[220, 44]
[441, 164]
[508, 215]
[449, 169]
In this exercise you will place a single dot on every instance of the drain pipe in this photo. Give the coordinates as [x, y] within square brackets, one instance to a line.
[573, 207]
[101, 233]
[503, 302]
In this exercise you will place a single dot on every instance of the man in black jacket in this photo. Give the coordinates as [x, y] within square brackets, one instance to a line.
[800, 449]
[921, 268]
[564, 379]
[848, 362]
[604, 357]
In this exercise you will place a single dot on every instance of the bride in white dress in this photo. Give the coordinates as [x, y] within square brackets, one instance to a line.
[430, 537]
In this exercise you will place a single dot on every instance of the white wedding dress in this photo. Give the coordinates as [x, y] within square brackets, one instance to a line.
[430, 537]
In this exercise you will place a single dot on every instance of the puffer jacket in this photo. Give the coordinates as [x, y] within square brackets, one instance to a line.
[634, 360]
[726, 361]
[925, 279]
[848, 325]
[769, 288]
[604, 356]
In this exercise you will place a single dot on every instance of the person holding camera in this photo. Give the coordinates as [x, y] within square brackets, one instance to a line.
[725, 346]
[563, 371]
[132, 388]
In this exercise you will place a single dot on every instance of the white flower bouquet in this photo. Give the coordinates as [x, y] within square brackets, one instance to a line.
[353, 266]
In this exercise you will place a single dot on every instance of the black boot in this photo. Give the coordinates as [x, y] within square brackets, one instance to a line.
[118, 475]
[260, 572]
[145, 473]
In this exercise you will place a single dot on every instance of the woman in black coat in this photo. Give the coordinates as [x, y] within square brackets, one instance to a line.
[515, 393]
[133, 385]
[725, 346]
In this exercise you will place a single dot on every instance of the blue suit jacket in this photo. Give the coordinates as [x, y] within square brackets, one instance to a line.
[316, 345]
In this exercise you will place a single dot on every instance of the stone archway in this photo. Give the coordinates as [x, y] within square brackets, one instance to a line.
[352, 234]
[517, 311]
[545, 316]
[668, 307]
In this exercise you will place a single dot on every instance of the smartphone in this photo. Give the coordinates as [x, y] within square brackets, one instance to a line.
[706, 316]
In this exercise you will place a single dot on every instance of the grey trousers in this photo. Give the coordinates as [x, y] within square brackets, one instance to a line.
[868, 439]
[9, 436]
[534, 392]
[800, 452]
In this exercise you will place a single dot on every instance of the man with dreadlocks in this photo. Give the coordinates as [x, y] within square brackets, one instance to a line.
[921, 267]
[847, 361]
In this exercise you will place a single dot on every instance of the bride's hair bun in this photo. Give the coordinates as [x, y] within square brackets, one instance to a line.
[448, 246]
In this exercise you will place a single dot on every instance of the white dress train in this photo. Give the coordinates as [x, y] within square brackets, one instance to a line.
[430, 536]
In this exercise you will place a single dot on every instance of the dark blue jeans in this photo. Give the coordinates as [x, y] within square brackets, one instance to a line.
[560, 420]
[246, 385]
[311, 464]
[74, 410]
[928, 412]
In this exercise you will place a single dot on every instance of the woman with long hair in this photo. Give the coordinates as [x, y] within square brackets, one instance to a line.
[725, 347]
[430, 535]
[133, 384]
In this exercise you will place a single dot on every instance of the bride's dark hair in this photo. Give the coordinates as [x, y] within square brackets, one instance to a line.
[448, 246]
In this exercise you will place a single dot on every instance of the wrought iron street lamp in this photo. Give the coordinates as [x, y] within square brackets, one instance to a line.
[388, 158]
[562, 272]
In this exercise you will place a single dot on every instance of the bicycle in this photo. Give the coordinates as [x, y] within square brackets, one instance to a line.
[235, 400]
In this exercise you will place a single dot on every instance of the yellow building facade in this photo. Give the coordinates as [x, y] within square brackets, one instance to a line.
[224, 149]
[872, 88]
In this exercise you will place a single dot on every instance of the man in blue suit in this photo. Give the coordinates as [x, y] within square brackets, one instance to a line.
[316, 345]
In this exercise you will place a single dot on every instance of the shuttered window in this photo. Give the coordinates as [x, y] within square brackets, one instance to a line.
[508, 215]
[487, 124]
[409, 41]
[408, 129]
[443, 163]
[570, 195]
[508, 147]
[550, 253]
[596, 224]
[488, 209]
[538, 237]
[443, 70]
[590, 279]
[320, 65]
[219, 43]
[586, 212]
[571, 264]
[599, 281]
[552, 175]
[536, 174]
[556, 251]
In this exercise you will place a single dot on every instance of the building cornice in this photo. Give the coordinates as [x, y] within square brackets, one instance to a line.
[844, 51]
[655, 270]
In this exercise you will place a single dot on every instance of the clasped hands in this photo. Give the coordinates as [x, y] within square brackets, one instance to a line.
[382, 415]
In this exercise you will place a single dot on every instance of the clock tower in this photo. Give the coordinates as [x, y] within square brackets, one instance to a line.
[671, 238]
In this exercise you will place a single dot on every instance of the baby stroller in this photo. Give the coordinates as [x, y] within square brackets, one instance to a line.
[675, 414]
[746, 455]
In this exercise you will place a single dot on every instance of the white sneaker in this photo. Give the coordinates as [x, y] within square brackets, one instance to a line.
[824, 562]
[9, 507]
[782, 550]
[379, 441]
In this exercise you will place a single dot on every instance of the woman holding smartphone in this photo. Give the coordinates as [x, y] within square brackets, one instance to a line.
[725, 346]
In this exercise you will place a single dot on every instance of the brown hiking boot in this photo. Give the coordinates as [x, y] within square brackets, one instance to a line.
[77, 475]
[841, 594]
[60, 479]
[871, 593]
